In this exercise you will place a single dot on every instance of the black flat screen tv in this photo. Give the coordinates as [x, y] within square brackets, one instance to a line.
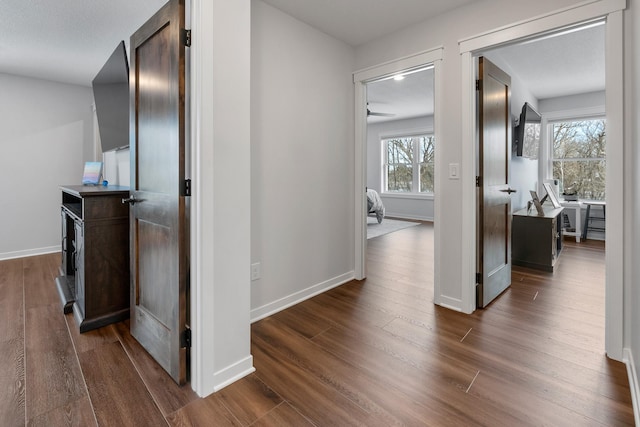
[526, 136]
[111, 97]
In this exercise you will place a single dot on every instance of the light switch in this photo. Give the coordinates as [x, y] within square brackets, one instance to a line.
[454, 171]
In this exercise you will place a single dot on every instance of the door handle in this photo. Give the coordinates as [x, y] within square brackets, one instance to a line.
[131, 200]
[509, 190]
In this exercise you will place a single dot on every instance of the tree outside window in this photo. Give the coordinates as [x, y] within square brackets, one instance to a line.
[427, 163]
[409, 164]
[400, 164]
[579, 157]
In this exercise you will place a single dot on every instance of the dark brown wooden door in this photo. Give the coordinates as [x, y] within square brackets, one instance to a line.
[158, 225]
[494, 210]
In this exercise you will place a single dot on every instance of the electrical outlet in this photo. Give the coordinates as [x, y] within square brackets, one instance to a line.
[255, 271]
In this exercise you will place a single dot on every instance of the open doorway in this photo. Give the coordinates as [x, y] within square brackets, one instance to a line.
[560, 77]
[400, 150]
[614, 151]
[429, 59]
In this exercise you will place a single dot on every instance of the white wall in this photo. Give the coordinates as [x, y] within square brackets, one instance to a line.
[45, 138]
[524, 177]
[401, 205]
[574, 102]
[447, 30]
[116, 169]
[632, 135]
[302, 156]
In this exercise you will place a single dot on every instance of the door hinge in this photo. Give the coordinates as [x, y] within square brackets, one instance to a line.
[478, 181]
[477, 84]
[478, 278]
[186, 187]
[185, 338]
[186, 37]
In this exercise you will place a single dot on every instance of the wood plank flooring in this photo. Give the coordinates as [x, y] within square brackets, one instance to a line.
[373, 353]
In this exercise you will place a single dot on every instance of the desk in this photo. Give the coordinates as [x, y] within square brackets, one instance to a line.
[577, 207]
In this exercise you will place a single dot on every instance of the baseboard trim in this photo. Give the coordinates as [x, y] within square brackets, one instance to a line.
[29, 252]
[450, 303]
[405, 216]
[295, 298]
[634, 386]
[231, 374]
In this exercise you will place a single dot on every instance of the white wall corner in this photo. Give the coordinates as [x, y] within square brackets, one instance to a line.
[232, 373]
[454, 304]
[634, 385]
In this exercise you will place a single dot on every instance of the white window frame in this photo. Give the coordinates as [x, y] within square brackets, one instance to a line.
[548, 119]
[552, 158]
[415, 186]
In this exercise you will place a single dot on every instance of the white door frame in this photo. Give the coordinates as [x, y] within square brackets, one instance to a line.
[360, 79]
[611, 10]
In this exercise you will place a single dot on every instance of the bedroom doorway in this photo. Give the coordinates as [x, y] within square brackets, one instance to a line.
[561, 75]
[395, 131]
[400, 148]
[614, 150]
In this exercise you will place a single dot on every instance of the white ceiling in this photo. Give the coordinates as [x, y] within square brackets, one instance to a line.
[69, 40]
[66, 40]
[359, 21]
[407, 98]
[567, 63]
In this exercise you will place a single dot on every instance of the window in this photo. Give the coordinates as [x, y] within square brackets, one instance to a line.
[579, 157]
[409, 164]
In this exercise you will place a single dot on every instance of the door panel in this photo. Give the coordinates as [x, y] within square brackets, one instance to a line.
[154, 247]
[155, 119]
[494, 211]
[158, 223]
[494, 241]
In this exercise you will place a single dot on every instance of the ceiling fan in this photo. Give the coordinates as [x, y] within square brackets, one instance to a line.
[375, 113]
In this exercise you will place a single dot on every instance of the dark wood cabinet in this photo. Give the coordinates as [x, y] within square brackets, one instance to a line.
[94, 270]
[536, 240]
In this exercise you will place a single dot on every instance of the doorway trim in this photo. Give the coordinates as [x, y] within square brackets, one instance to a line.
[611, 11]
[360, 80]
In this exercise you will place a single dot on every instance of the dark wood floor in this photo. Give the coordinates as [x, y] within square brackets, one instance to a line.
[372, 353]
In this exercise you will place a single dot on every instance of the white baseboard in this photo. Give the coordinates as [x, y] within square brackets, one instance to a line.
[454, 304]
[405, 216]
[634, 386]
[231, 374]
[29, 252]
[293, 299]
